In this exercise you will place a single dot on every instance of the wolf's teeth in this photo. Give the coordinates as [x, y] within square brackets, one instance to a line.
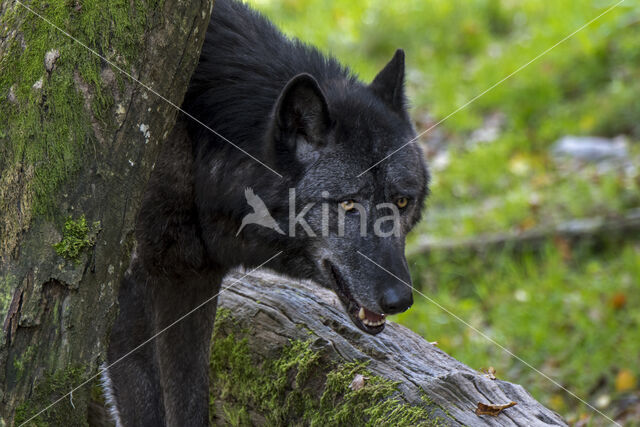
[361, 313]
[373, 324]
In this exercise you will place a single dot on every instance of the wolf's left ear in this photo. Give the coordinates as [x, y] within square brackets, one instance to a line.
[389, 83]
[302, 110]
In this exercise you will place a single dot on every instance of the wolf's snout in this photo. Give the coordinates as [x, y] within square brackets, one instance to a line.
[395, 300]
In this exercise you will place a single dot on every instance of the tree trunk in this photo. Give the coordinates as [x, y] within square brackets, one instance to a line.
[285, 353]
[78, 140]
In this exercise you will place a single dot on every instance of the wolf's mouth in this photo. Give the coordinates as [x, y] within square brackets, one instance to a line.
[365, 319]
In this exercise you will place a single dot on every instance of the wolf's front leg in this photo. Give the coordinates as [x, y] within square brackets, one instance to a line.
[132, 383]
[183, 349]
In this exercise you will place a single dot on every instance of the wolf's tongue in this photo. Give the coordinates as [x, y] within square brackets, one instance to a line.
[369, 315]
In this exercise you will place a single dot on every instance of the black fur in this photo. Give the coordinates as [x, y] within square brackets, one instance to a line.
[310, 119]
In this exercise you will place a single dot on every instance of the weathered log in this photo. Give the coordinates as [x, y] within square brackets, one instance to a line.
[78, 140]
[578, 230]
[270, 329]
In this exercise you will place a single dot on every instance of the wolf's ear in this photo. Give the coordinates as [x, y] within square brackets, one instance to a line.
[389, 83]
[302, 110]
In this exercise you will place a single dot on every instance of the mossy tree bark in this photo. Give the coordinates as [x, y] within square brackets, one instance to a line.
[78, 140]
[285, 353]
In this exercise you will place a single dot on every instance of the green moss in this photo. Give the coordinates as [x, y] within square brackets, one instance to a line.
[300, 387]
[52, 387]
[340, 405]
[223, 318]
[236, 415]
[23, 359]
[49, 128]
[76, 236]
[7, 286]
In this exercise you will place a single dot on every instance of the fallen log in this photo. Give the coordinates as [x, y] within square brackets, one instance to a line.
[596, 229]
[284, 352]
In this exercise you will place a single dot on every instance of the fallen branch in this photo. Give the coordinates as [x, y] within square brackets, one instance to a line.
[599, 228]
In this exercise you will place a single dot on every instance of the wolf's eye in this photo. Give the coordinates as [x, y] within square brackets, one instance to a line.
[402, 202]
[347, 205]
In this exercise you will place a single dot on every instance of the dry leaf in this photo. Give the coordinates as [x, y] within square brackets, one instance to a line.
[434, 343]
[619, 300]
[493, 410]
[490, 373]
[358, 382]
[625, 380]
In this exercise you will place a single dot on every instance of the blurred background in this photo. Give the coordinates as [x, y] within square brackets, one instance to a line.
[532, 231]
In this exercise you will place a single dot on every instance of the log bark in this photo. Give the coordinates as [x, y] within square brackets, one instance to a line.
[78, 140]
[272, 312]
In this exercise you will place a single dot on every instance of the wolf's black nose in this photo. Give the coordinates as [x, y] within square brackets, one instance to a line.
[396, 300]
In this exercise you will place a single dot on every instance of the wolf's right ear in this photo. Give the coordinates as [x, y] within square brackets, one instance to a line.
[302, 110]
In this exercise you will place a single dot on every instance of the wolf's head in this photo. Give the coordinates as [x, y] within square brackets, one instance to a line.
[350, 205]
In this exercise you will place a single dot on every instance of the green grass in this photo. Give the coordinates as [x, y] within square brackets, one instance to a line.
[556, 313]
[571, 315]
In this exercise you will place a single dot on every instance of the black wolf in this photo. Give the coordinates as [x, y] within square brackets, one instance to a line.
[309, 119]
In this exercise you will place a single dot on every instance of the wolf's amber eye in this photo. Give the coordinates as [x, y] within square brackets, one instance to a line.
[402, 202]
[347, 205]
